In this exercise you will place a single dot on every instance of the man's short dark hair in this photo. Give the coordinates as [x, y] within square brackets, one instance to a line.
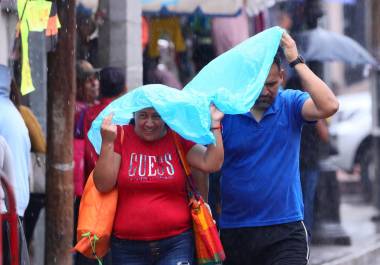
[112, 82]
[277, 60]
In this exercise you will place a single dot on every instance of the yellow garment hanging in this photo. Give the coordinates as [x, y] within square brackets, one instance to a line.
[165, 27]
[37, 138]
[34, 16]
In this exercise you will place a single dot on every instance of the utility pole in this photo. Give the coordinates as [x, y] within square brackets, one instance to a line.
[59, 180]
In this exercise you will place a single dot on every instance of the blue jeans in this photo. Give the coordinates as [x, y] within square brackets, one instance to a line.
[176, 250]
[309, 182]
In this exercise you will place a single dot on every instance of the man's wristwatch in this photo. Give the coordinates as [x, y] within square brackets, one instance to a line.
[299, 59]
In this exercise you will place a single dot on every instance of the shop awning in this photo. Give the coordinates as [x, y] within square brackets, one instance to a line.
[206, 7]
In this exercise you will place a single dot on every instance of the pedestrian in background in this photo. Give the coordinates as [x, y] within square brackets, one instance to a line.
[15, 133]
[86, 96]
[112, 86]
[313, 148]
[314, 139]
[262, 209]
[37, 173]
[87, 92]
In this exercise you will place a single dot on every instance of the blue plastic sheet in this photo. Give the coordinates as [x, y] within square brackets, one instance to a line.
[184, 112]
[233, 81]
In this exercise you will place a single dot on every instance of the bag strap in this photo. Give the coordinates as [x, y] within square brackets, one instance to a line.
[181, 153]
[121, 136]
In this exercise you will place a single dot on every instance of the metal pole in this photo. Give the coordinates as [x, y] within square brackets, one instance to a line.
[376, 138]
[327, 224]
[61, 100]
[375, 47]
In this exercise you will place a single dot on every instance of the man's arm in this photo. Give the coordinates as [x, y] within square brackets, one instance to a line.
[323, 102]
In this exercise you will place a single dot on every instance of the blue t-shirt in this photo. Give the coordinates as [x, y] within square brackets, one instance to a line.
[260, 182]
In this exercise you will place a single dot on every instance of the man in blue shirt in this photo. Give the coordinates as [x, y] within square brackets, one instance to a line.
[262, 208]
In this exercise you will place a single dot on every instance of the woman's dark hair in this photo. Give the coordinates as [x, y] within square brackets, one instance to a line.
[112, 82]
[15, 94]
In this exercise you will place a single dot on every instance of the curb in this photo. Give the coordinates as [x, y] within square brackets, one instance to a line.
[369, 255]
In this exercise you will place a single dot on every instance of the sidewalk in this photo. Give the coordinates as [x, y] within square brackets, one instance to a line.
[365, 236]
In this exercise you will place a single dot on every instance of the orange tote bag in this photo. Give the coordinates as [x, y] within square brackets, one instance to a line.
[95, 221]
[96, 216]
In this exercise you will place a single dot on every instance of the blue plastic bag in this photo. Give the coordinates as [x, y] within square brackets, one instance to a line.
[185, 113]
[232, 81]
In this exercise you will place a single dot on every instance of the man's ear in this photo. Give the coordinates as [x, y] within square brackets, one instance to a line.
[282, 76]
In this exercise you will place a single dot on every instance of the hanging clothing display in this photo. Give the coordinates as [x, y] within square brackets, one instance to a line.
[167, 28]
[227, 32]
[38, 20]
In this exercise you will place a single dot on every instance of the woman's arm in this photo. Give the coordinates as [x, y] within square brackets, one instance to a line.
[209, 159]
[201, 182]
[108, 164]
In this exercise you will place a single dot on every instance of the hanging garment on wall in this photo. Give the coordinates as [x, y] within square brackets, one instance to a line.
[37, 20]
[227, 32]
[167, 28]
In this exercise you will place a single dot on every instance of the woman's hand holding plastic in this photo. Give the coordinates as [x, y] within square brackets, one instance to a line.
[108, 130]
[216, 115]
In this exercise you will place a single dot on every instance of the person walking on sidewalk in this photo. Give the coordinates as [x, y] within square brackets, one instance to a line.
[262, 208]
[112, 86]
[152, 222]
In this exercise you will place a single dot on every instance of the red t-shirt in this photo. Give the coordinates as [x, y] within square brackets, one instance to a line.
[152, 201]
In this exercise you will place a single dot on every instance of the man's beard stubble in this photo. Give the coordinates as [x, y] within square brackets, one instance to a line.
[263, 103]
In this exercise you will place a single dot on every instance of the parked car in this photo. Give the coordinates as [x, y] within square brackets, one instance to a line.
[350, 133]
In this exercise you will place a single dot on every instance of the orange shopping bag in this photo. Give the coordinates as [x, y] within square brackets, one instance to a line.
[96, 215]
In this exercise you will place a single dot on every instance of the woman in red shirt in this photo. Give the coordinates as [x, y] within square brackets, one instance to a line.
[152, 223]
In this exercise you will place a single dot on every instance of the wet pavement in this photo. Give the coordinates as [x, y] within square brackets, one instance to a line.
[356, 221]
[364, 234]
